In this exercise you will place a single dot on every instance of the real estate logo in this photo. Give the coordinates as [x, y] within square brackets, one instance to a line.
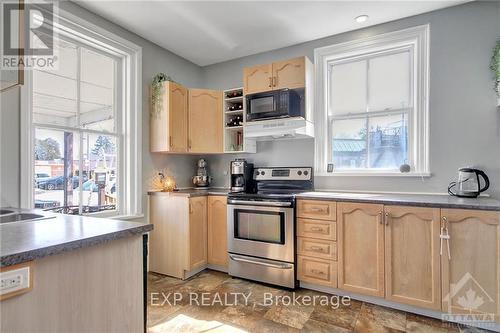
[469, 303]
[27, 37]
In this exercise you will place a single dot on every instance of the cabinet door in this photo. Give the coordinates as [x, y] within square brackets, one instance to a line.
[471, 273]
[169, 122]
[412, 260]
[257, 79]
[289, 74]
[167, 242]
[205, 121]
[361, 248]
[197, 232]
[178, 118]
[217, 230]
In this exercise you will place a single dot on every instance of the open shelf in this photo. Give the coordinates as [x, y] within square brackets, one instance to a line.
[234, 112]
[234, 136]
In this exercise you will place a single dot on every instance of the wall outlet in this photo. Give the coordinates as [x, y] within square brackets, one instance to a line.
[14, 280]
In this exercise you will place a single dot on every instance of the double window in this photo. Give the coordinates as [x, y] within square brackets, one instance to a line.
[373, 110]
[82, 118]
[76, 132]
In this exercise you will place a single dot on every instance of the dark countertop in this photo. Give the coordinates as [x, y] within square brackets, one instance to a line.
[423, 200]
[194, 192]
[28, 240]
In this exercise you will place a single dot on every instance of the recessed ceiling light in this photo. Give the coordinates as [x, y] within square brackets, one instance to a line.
[361, 18]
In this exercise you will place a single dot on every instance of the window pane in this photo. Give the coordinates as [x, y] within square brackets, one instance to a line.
[55, 91]
[100, 167]
[97, 91]
[349, 143]
[348, 88]
[388, 137]
[389, 82]
[56, 169]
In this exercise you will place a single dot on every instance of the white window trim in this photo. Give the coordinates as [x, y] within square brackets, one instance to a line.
[130, 195]
[416, 37]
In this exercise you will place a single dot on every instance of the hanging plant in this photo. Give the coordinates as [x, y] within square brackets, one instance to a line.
[495, 66]
[157, 91]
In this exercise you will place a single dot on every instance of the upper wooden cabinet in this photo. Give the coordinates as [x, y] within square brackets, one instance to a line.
[292, 73]
[412, 268]
[169, 124]
[217, 230]
[361, 248]
[197, 232]
[289, 73]
[205, 121]
[471, 269]
[258, 78]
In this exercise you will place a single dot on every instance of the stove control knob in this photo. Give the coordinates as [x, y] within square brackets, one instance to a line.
[299, 172]
[306, 172]
[262, 173]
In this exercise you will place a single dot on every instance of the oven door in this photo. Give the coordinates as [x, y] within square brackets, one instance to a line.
[261, 231]
[266, 105]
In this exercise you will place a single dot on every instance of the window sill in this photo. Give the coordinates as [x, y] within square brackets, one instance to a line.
[374, 174]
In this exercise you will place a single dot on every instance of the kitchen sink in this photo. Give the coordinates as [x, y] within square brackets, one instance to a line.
[21, 217]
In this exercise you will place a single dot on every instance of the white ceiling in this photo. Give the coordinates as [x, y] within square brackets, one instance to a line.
[209, 32]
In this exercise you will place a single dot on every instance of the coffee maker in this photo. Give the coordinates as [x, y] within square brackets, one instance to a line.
[241, 175]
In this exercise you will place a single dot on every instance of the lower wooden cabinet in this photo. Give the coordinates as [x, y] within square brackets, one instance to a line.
[361, 248]
[471, 269]
[178, 242]
[317, 248]
[412, 272]
[317, 271]
[169, 241]
[197, 232]
[217, 230]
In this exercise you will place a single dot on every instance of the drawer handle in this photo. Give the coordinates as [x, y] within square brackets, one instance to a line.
[317, 229]
[315, 271]
[317, 210]
[317, 249]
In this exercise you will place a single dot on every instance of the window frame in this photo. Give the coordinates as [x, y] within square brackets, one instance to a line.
[128, 124]
[415, 39]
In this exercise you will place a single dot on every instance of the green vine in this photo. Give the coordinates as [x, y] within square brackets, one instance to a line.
[495, 66]
[157, 91]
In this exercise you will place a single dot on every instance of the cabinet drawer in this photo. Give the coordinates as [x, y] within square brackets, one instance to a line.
[317, 248]
[316, 209]
[317, 229]
[317, 271]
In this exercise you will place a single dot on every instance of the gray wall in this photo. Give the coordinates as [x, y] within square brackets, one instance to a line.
[155, 59]
[464, 122]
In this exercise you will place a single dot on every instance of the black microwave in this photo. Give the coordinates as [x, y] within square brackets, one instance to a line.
[274, 104]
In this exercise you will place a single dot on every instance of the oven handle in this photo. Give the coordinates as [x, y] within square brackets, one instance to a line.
[261, 262]
[260, 203]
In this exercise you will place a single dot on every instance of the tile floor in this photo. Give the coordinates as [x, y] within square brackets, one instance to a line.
[196, 305]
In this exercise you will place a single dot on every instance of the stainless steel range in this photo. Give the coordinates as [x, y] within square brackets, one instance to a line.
[261, 226]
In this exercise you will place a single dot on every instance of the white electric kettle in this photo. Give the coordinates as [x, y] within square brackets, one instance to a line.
[468, 183]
